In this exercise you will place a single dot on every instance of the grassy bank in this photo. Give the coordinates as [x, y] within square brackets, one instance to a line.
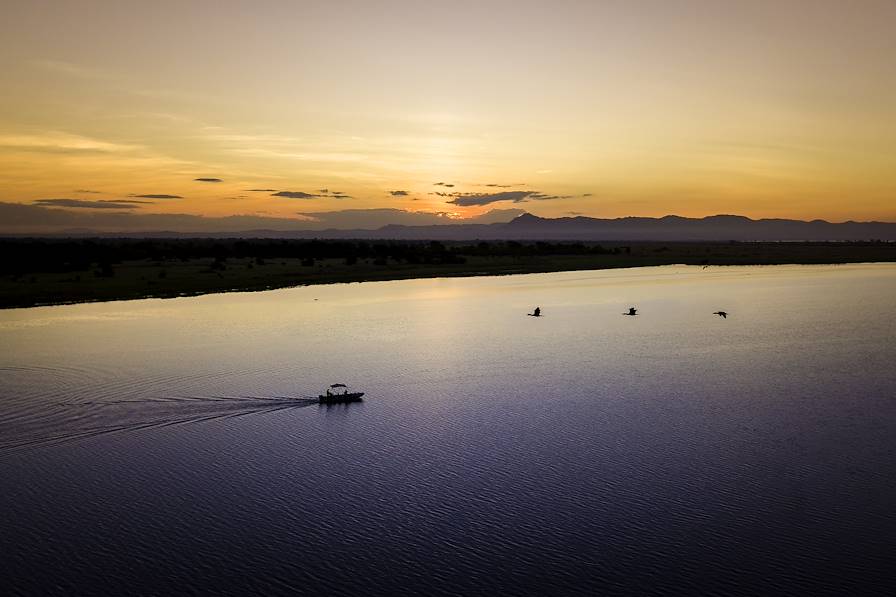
[73, 271]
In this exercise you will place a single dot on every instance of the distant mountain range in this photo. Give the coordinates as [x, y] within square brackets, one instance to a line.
[397, 224]
[675, 228]
[668, 228]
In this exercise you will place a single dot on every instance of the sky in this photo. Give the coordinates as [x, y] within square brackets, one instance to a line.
[286, 109]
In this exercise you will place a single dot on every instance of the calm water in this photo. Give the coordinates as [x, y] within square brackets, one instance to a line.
[144, 449]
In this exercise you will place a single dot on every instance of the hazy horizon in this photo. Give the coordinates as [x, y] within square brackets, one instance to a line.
[54, 218]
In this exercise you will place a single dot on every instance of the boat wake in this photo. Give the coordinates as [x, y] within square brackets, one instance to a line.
[62, 422]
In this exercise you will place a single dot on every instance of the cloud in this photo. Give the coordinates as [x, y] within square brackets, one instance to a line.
[304, 195]
[88, 191]
[398, 193]
[505, 186]
[586, 195]
[295, 195]
[443, 184]
[82, 203]
[158, 196]
[262, 190]
[471, 199]
[65, 143]
[207, 180]
[468, 199]
[544, 197]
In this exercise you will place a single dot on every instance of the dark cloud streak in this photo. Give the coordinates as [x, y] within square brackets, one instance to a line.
[471, 199]
[303, 195]
[295, 195]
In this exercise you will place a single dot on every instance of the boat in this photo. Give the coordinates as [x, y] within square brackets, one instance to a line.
[333, 395]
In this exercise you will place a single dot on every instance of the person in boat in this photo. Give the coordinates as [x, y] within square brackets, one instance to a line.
[337, 393]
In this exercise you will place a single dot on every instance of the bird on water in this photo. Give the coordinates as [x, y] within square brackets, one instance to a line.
[722, 314]
[535, 313]
[631, 311]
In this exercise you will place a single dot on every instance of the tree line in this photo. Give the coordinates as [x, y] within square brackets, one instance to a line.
[28, 255]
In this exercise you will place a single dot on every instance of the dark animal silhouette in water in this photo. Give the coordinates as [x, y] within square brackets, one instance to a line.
[631, 311]
[721, 314]
[535, 313]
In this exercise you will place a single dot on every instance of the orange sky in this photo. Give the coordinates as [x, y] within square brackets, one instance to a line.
[765, 109]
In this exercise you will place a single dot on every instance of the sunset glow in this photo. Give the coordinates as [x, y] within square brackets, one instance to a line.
[764, 109]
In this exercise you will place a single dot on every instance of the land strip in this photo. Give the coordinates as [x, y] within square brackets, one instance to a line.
[43, 271]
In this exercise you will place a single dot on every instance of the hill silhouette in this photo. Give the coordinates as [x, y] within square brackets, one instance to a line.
[397, 224]
[669, 228]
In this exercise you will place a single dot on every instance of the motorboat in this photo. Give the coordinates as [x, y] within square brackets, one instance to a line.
[338, 393]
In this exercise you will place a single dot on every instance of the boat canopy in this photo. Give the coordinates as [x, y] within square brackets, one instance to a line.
[338, 385]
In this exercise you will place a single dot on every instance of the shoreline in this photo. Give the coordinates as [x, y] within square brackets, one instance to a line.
[135, 281]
